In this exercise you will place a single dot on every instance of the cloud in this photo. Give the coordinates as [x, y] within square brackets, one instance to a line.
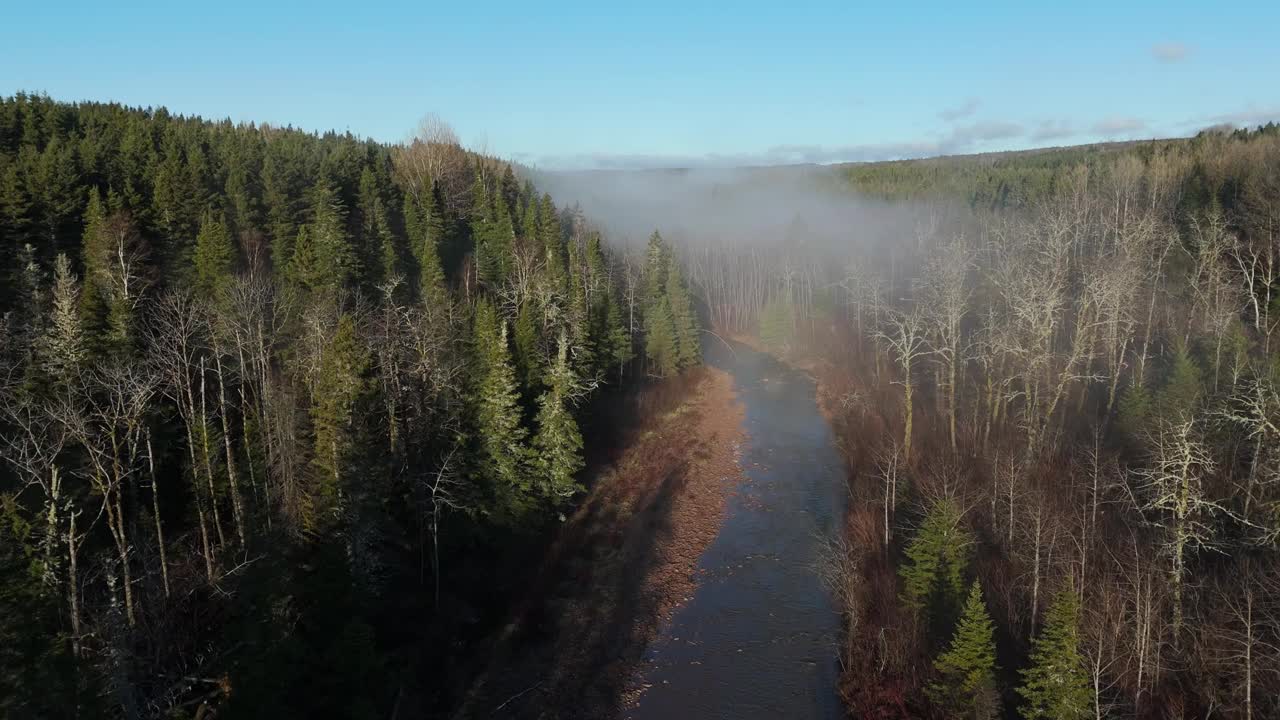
[1249, 117]
[1052, 130]
[965, 136]
[793, 154]
[1119, 125]
[963, 110]
[959, 139]
[1170, 52]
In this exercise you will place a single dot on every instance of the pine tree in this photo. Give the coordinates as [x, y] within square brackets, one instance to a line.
[552, 244]
[528, 358]
[660, 339]
[936, 560]
[214, 258]
[341, 389]
[967, 683]
[557, 447]
[616, 338]
[496, 413]
[425, 228]
[1184, 387]
[1056, 686]
[655, 275]
[322, 261]
[62, 348]
[93, 300]
[688, 343]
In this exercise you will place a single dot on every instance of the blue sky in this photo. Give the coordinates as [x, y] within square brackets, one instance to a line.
[606, 84]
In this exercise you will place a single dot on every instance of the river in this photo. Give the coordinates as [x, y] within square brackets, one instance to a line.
[757, 639]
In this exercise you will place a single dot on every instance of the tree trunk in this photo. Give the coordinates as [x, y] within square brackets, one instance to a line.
[155, 511]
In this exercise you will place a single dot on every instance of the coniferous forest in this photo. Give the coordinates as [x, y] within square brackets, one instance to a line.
[287, 417]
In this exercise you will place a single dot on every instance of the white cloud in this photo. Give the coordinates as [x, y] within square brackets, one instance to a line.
[1054, 129]
[963, 110]
[1170, 52]
[1119, 125]
[1249, 117]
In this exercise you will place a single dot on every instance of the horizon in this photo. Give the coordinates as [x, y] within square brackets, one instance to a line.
[578, 87]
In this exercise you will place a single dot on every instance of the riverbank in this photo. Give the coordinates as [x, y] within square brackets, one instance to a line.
[623, 563]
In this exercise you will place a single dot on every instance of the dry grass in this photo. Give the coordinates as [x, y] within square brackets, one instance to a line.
[622, 564]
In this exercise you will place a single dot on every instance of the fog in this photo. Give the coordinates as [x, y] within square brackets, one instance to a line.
[807, 205]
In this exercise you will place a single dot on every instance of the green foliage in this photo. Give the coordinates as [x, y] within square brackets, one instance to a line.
[683, 317]
[1056, 686]
[777, 324]
[937, 558]
[1183, 387]
[214, 258]
[425, 228]
[672, 342]
[966, 686]
[62, 349]
[341, 391]
[1135, 409]
[500, 437]
[557, 446]
[528, 352]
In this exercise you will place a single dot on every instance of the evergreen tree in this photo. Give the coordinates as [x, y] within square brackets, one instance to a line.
[496, 413]
[425, 228]
[62, 349]
[1184, 386]
[617, 345]
[936, 560]
[1056, 686]
[557, 447]
[94, 297]
[342, 387]
[967, 683]
[552, 244]
[214, 258]
[660, 340]
[685, 320]
[322, 260]
[528, 355]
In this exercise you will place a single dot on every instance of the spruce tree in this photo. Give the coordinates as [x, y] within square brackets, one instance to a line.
[528, 358]
[557, 447]
[552, 244]
[499, 249]
[617, 345]
[685, 320]
[214, 258]
[496, 413]
[62, 348]
[1184, 386]
[341, 389]
[660, 340]
[966, 686]
[936, 560]
[1056, 686]
[425, 228]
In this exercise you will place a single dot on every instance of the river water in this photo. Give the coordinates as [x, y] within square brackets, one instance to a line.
[757, 639]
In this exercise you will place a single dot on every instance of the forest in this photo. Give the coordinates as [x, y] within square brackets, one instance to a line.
[1056, 384]
[293, 424]
[286, 418]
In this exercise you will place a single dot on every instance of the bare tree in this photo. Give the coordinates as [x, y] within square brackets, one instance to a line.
[904, 335]
[106, 415]
[1174, 497]
[945, 298]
